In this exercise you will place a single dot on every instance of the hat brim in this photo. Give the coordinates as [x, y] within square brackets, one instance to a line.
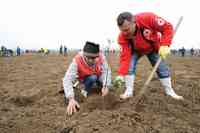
[91, 54]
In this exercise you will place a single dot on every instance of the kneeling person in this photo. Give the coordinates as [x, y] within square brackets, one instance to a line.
[89, 67]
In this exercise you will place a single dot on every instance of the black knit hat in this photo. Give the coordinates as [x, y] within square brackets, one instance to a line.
[91, 48]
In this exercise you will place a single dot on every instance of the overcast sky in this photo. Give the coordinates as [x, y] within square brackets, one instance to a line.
[49, 23]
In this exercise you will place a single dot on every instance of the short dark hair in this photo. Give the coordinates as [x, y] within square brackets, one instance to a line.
[124, 16]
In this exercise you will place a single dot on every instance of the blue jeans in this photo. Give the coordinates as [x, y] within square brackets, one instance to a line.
[89, 81]
[162, 70]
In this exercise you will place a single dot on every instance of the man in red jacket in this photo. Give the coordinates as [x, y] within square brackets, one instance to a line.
[144, 34]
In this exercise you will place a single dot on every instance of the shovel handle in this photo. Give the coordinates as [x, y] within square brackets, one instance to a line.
[150, 76]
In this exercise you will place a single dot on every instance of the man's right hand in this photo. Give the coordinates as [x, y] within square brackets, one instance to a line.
[119, 80]
[72, 106]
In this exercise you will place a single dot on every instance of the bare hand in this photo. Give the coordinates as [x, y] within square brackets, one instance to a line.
[72, 106]
[104, 91]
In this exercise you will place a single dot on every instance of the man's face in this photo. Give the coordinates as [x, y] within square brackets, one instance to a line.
[128, 29]
[90, 60]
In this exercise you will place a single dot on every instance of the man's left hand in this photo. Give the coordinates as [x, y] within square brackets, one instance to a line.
[104, 91]
[164, 51]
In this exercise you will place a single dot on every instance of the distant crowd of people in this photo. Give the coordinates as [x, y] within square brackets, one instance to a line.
[6, 52]
[183, 52]
[63, 50]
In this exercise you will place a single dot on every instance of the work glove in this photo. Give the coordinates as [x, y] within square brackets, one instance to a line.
[119, 80]
[164, 51]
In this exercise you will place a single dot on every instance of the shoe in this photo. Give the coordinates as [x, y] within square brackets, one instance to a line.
[129, 81]
[177, 97]
[125, 96]
[166, 83]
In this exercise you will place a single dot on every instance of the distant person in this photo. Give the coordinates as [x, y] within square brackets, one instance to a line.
[61, 49]
[3, 50]
[144, 34]
[41, 50]
[198, 52]
[174, 51]
[18, 51]
[65, 50]
[106, 51]
[192, 52]
[182, 51]
[46, 51]
[89, 67]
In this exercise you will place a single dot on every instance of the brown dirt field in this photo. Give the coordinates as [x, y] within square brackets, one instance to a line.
[30, 102]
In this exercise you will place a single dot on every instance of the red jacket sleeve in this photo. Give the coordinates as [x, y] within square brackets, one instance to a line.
[125, 55]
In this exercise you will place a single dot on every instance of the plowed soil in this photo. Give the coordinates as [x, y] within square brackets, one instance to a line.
[30, 101]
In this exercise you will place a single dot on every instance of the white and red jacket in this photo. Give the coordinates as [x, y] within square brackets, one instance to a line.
[85, 70]
[151, 32]
[79, 69]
